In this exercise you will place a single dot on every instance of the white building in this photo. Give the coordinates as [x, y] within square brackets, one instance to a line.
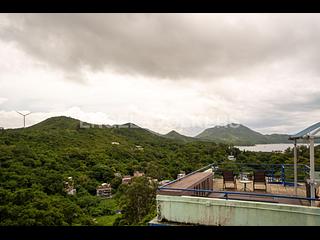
[69, 187]
[231, 158]
[163, 182]
[139, 148]
[104, 190]
[117, 174]
[181, 175]
[138, 174]
[154, 180]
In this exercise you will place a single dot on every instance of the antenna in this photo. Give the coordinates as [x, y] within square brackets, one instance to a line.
[24, 118]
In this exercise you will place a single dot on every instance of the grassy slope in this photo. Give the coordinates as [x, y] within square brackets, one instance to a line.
[107, 220]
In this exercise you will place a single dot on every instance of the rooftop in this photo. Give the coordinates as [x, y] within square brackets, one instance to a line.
[309, 131]
[189, 181]
[201, 198]
[272, 189]
[276, 192]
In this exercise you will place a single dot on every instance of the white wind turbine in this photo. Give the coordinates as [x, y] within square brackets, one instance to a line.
[24, 118]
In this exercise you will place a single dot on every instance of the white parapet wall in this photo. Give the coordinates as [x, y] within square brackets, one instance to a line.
[222, 212]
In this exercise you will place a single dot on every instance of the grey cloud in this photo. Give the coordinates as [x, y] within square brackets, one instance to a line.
[165, 45]
[311, 103]
[291, 113]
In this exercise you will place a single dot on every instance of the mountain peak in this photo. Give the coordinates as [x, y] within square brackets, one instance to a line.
[58, 122]
[177, 136]
[173, 132]
[239, 134]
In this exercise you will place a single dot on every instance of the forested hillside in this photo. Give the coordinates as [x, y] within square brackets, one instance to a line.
[37, 160]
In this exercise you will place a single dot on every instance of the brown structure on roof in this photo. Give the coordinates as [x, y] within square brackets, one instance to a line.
[259, 178]
[197, 181]
[229, 177]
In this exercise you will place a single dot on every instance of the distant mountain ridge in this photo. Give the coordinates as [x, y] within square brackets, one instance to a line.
[63, 122]
[233, 133]
[239, 134]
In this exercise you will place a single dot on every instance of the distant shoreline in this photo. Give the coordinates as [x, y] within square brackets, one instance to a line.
[269, 147]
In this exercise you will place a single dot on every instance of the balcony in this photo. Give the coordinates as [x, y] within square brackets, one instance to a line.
[200, 198]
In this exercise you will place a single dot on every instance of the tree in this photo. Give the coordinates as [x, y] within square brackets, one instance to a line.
[138, 200]
[102, 173]
[116, 182]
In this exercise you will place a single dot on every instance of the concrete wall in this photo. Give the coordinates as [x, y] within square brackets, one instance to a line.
[211, 211]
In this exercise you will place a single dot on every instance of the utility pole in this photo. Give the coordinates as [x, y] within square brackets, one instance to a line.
[312, 182]
[24, 118]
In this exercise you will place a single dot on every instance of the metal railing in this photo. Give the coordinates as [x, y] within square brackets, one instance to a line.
[226, 193]
[216, 168]
[270, 169]
[179, 179]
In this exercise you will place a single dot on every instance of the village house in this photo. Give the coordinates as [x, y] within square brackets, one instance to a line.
[68, 187]
[231, 158]
[138, 174]
[152, 180]
[139, 148]
[104, 190]
[181, 175]
[126, 179]
[117, 174]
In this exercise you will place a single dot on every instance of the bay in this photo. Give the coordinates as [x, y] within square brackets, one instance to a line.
[279, 147]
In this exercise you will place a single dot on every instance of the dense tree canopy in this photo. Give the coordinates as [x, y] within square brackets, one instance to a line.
[35, 162]
[137, 201]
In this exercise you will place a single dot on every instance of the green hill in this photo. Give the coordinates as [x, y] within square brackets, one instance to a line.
[61, 144]
[240, 135]
[61, 122]
[179, 137]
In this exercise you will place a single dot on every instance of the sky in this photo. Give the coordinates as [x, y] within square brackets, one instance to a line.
[185, 72]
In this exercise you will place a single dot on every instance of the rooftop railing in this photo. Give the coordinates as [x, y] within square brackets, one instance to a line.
[275, 173]
[226, 193]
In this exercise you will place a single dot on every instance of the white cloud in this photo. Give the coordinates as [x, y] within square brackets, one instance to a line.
[2, 100]
[11, 119]
[252, 74]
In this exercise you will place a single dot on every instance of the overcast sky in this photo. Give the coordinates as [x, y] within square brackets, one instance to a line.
[162, 71]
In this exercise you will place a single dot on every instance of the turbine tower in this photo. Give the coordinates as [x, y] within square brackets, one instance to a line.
[24, 118]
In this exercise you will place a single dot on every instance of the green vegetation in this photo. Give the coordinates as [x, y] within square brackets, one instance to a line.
[107, 220]
[36, 161]
[138, 201]
[111, 215]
